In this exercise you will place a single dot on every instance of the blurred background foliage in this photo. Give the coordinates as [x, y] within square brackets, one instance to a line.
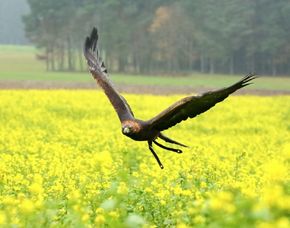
[163, 36]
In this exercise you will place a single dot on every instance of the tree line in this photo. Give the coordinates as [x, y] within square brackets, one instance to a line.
[165, 36]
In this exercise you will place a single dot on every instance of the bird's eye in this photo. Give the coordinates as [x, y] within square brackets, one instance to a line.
[126, 130]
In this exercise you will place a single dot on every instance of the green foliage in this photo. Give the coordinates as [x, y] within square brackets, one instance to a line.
[227, 36]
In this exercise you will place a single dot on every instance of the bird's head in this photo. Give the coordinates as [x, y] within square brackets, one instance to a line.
[127, 130]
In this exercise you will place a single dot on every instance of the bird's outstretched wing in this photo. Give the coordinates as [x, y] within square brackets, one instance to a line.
[192, 106]
[99, 72]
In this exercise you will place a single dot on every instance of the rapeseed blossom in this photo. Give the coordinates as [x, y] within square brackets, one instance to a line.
[64, 162]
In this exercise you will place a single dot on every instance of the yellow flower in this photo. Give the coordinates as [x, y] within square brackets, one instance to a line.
[283, 222]
[100, 210]
[186, 192]
[100, 219]
[85, 217]
[275, 170]
[38, 179]
[199, 219]
[225, 196]
[148, 190]
[182, 225]
[9, 200]
[223, 201]
[77, 207]
[216, 204]
[272, 195]
[122, 189]
[280, 223]
[177, 190]
[203, 184]
[36, 188]
[27, 206]
[114, 214]
[162, 202]
[39, 202]
[2, 218]
[74, 195]
[264, 225]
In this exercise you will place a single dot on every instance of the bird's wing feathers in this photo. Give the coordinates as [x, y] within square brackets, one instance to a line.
[192, 106]
[99, 72]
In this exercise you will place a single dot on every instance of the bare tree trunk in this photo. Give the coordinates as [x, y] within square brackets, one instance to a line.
[47, 59]
[121, 64]
[253, 64]
[80, 56]
[274, 67]
[52, 59]
[211, 66]
[232, 71]
[69, 55]
[135, 63]
[62, 56]
[202, 63]
[190, 59]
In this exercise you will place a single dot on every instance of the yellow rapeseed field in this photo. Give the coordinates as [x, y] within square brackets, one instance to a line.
[65, 163]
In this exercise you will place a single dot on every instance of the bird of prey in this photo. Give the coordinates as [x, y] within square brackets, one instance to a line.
[150, 130]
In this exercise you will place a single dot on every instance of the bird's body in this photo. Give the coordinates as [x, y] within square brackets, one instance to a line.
[151, 130]
[138, 130]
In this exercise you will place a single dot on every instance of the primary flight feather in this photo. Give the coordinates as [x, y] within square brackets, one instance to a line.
[150, 130]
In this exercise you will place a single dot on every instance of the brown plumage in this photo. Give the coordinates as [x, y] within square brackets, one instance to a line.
[150, 130]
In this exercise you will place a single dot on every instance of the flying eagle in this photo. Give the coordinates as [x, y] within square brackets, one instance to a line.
[150, 130]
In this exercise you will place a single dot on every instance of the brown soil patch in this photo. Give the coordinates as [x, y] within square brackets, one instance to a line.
[136, 89]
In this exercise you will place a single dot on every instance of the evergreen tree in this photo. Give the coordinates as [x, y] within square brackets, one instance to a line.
[165, 36]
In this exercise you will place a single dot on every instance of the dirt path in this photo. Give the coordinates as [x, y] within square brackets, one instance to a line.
[137, 89]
